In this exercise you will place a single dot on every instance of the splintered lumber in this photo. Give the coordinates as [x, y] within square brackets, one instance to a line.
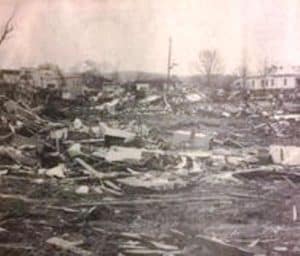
[18, 197]
[218, 247]
[6, 137]
[141, 244]
[268, 174]
[291, 183]
[152, 252]
[112, 185]
[57, 171]
[35, 201]
[95, 173]
[16, 155]
[15, 108]
[130, 246]
[231, 142]
[285, 155]
[131, 236]
[163, 246]
[2, 230]
[112, 191]
[178, 234]
[61, 208]
[15, 249]
[220, 199]
[295, 213]
[83, 141]
[68, 246]
[90, 169]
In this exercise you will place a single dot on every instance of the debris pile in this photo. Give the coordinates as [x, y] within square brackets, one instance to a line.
[122, 174]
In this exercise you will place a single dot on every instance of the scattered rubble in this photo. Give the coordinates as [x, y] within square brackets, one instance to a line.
[286, 155]
[124, 171]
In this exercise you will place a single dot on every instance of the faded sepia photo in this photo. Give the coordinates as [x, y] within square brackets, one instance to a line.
[149, 127]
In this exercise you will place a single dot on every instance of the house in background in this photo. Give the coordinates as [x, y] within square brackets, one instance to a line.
[44, 77]
[153, 86]
[79, 84]
[146, 86]
[26, 79]
[9, 79]
[113, 88]
[74, 86]
[9, 76]
[278, 80]
[142, 85]
[95, 81]
[48, 77]
[34, 82]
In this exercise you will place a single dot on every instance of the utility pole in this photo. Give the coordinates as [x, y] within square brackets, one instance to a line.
[169, 67]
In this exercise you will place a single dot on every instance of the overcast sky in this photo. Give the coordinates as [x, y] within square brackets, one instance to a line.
[133, 34]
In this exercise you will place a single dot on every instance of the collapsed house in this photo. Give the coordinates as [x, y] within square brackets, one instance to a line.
[207, 171]
[36, 83]
[153, 85]
[9, 79]
[87, 83]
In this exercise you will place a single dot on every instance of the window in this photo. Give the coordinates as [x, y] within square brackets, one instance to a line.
[262, 82]
[285, 81]
[272, 82]
[267, 83]
[253, 83]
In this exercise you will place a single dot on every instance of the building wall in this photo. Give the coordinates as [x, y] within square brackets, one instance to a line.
[49, 78]
[74, 86]
[41, 78]
[27, 79]
[272, 83]
[142, 86]
[10, 78]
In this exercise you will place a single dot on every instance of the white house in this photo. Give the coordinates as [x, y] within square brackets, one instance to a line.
[273, 82]
[277, 79]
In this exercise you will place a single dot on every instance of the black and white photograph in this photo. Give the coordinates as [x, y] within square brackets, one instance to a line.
[149, 127]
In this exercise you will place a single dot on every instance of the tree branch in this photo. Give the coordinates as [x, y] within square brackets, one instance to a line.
[209, 63]
[7, 29]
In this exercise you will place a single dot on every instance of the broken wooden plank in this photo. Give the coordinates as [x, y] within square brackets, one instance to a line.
[152, 252]
[90, 169]
[15, 249]
[35, 201]
[111, 191]
[221, 200]
[98, 174]
[68, 246]
[212, 246]
[295, 213]
[18, 197]
[163, 246]
[267, 175]
[83, 141]
[17, 156]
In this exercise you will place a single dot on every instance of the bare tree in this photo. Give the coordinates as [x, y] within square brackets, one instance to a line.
[7, 29]
[209, 63]
[243, 73]
[265, 70]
